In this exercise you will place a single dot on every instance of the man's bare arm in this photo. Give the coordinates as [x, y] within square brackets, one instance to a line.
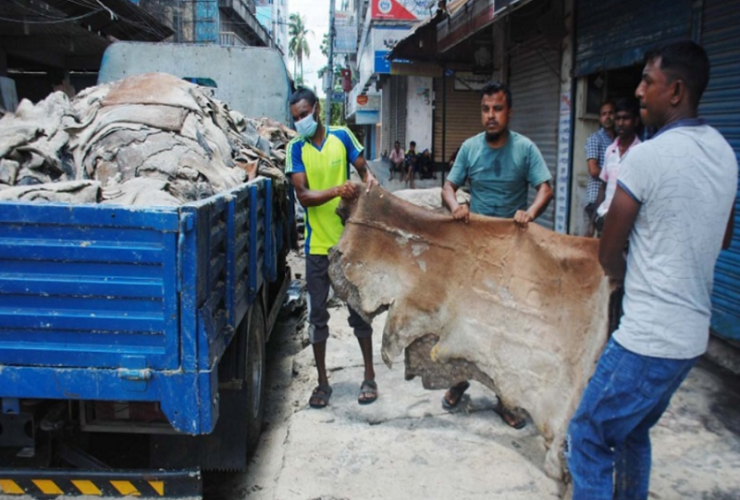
[367, 177]
[459, 212]
[541, 200]
[617, 227]
[601, 196]
[448, 195]
[593, 168]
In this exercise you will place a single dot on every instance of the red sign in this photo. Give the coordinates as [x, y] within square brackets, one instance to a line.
[362, 100]
[346, 80]
[392, 9]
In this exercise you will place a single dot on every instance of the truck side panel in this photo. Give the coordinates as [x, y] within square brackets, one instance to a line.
[87, 286]
[125, 304]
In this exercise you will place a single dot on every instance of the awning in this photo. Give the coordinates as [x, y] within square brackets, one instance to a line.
[420, 44]
[471, 16]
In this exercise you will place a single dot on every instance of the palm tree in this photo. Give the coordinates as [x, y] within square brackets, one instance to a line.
[298, 44]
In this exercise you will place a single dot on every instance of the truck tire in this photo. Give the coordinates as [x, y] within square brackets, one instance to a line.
[254, 377]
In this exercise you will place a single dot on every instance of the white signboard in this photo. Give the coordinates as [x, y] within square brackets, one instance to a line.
[345, 27]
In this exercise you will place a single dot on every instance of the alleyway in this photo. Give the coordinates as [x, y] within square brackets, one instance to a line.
[406, 447]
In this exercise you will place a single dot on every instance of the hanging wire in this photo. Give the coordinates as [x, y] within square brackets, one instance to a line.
[55, 21]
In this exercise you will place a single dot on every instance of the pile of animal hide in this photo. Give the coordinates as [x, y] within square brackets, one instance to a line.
[151, 139]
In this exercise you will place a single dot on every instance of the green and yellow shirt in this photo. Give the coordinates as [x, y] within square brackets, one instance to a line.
[325, 167]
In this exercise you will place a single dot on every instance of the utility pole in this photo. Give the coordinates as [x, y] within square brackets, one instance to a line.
[329, 88]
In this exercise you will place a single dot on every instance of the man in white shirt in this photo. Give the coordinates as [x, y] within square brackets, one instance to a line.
[673, 202]
[397, 159]
[625, 124]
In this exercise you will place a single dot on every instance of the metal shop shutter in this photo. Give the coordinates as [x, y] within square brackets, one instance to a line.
[615, 33]
[720, 105]
[535, 91]
[462, 120]
[399, 86]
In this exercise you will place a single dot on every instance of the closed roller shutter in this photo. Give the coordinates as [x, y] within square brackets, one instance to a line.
[535, 87]
[720, 105]
[463, 117]
[615, 33]
[399, 86]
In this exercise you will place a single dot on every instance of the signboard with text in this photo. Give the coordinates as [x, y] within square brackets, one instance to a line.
[383, 40]
[345, 41]
[401, 10]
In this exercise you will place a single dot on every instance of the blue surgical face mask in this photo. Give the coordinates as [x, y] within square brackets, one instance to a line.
[306, 127]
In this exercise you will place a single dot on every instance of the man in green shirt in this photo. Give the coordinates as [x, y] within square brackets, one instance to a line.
[318, 164]
[500, 166]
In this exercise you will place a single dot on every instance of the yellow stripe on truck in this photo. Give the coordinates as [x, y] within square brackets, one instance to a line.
[158, 486]
[125, 488]
[10, 487]
[47, 487]
[87, 487]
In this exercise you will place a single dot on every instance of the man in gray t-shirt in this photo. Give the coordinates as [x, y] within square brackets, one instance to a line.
[500, 165]
[674, 203]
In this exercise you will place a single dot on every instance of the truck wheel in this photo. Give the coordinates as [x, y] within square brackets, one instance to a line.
[254, 378]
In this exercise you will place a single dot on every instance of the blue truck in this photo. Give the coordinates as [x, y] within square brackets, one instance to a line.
[132, 340]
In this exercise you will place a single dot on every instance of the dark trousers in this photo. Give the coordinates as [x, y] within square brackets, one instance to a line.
[318, 284]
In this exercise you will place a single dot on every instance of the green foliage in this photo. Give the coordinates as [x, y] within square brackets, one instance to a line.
[298, 48]
[337, 113]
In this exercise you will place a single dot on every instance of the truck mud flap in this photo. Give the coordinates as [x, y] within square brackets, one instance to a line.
[142, 484]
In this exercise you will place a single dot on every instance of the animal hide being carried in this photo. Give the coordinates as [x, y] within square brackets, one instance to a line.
[524, 312]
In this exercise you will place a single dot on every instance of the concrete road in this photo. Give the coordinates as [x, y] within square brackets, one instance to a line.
[406, 447]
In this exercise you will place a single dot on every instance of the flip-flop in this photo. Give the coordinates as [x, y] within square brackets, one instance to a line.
[369, 389]
[501, 411]
[320, 396]
[451, 406]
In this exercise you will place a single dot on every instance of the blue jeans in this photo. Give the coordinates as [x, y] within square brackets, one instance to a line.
[608, 443]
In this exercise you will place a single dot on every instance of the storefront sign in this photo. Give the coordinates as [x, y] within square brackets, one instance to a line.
[469, 81]
[383, 39]
[401, 10]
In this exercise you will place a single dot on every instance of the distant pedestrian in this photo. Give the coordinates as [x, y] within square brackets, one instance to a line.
[318, 164]
[674, 203]
[625, 124]
[596, 145]
[412, 164]
[397, 159]
[501, 165]
[426, 165]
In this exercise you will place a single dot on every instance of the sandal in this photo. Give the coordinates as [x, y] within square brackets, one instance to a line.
[458, 389]
[320, 396]
[509, 417]
[368, 392]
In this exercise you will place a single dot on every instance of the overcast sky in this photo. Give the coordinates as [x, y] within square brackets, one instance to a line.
[315, 15]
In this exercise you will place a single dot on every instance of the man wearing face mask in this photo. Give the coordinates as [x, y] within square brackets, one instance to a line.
[318, 164]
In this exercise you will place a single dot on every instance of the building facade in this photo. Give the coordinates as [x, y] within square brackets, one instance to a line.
[273, 16]
[225, 22]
